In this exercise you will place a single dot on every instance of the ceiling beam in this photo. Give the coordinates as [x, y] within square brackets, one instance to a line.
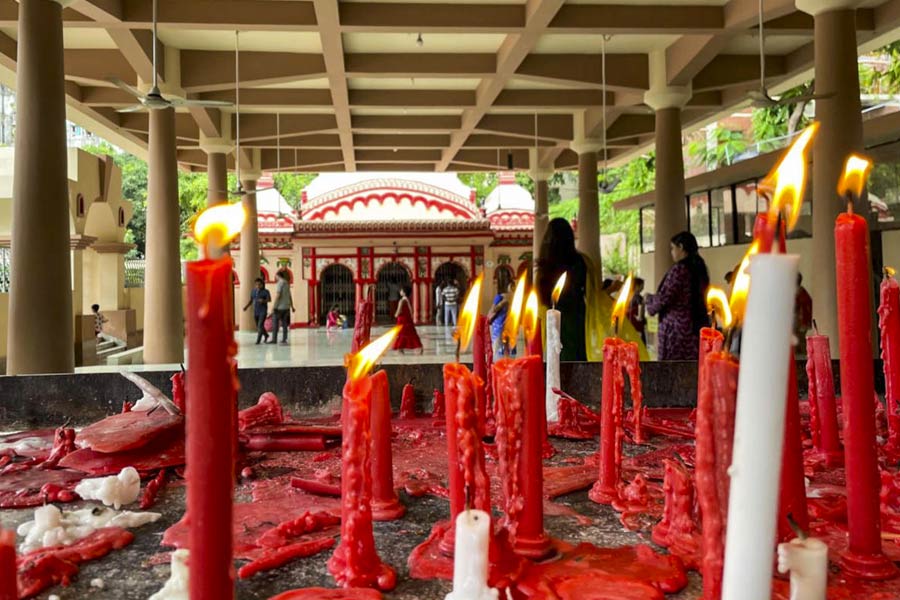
[98, 65]
[245, 15]
[445, 18]
[513, 51]
[415, 123]
[420, 65]
[686, 57]
[137, 48]
[208, 119]
[549, 127]
[209, 70]
[628, 71]
[727, 70]
[630, 18]
[261, 126]
[328, 19]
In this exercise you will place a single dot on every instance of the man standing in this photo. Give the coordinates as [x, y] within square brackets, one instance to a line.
[282, 307]
[259, 299]
[450, 297]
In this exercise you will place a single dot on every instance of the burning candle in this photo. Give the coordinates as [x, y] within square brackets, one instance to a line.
[761, 397]
[822, 406]
[889, 325]
[864, 557]
[470, 566]
[461, 407]
[211, 418]
[355, 562]
[807, 561]
[554, 348]
[386, 506]
[532, 326]
[8, 587]
[521, 423]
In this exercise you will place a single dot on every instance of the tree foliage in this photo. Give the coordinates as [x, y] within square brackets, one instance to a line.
[484, 182]
[291, 185]
[770, 124]
[727, 145]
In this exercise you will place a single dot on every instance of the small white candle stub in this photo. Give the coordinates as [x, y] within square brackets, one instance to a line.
[470, 563]
[807, 561]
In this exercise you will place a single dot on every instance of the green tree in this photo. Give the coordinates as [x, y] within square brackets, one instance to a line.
[769, 124]
[291, 185]
[729, 143]
[483, 182]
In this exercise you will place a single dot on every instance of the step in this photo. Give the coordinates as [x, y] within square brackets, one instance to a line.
[105, 345]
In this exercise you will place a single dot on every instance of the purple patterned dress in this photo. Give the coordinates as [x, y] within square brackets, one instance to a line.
[677, 339]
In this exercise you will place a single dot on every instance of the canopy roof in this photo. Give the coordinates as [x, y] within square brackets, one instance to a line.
[489, 82]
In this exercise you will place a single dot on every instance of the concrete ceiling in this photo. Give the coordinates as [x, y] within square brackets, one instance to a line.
[356, 91]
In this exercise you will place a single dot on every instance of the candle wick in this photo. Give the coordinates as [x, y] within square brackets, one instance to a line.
[815, 327]
[617, 327]
[458, 344]
[468, 497]
[796, 527]
[849, 203]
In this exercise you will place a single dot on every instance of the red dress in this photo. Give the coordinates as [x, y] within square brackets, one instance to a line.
[407, 339]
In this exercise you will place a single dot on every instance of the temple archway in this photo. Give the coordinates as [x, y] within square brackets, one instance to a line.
[391, 278]
[337, 287]
[447, 271]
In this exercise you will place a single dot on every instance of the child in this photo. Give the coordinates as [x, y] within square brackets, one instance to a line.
[99, 320]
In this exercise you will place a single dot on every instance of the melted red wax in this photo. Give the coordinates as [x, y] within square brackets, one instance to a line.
[576, 421]
[329, 594]
[438, 405]
[641, 572]
[408, 402]
[276, 557]
[163, 452]
[676, 422]
[47, 437]
[267, 411]
[154, 486]
[677, 530]
[34, 487]
[63, 445]
[46, 567]
[128, 431]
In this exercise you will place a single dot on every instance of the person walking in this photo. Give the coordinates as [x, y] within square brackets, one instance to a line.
[408, 338]
[680, 301]
[282, 307]
[439, 303]
[259, 299]
[450, 298]
[497, 318]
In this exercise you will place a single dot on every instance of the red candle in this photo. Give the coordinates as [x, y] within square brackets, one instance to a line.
[676, 529]
[438, 405]
[355, 562]
[605, 490]
[211, 426]
[481, 339]
[792, 500]
[822, 406]
[408, 402]
[488, 411]
[889, 325]
[519, 390]
[386, 506]
[8, 589]
[629, 357]
[456, 387]
[864, 558]
[714, 435]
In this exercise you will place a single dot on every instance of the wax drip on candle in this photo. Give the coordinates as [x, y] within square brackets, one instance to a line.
[801, 534]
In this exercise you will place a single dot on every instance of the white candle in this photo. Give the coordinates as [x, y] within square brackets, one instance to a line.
[807, 560]
[554, 347]
[759, 428]
[470, 562]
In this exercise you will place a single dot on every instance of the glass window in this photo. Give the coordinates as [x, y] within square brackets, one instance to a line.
[748, 204]
[648, 219]
[722, 210]
[698, 211]
[884, 186]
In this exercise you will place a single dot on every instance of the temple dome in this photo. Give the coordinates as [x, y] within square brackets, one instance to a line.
[509, 206]
[379, 197]
[274, 214]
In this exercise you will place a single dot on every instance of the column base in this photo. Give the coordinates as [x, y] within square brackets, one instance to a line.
[873, 567]
[603, 494]
[536, 548]
[387, 510]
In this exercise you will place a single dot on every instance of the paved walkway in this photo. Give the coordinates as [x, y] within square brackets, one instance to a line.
[317, 347]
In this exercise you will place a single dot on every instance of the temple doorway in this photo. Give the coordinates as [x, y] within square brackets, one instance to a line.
[442, 275]
[392, 277]
[337, 287]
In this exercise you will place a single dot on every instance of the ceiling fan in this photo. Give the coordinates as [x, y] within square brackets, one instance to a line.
[154, 100]
[761, 98]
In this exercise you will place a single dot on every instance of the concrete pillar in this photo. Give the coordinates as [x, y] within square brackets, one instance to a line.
[249, 267]
[541, 208]
[41, 323]
[588, 242]
[217, 177]
[840, 133]
[163, 313]
[670, 207]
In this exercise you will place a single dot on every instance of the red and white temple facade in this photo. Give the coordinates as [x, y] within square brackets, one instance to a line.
[359, 233]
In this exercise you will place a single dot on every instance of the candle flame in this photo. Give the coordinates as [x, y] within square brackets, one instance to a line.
[530, 322]
[511, 327]
[856, 172]
[623, 300]
[359, 364]
[558, 288]
[717, 301]
[889, 271]
[223, 220]
[788, 179]
[466, 326]
[740, 285]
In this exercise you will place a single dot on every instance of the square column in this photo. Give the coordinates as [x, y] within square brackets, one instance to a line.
[249, 259]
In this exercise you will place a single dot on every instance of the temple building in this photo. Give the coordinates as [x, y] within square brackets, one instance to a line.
[375, 233]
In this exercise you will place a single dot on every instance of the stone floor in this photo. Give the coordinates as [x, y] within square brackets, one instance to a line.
[318, 347]
[395, 540]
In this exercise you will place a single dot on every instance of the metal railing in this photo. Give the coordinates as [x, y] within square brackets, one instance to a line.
[134, 272]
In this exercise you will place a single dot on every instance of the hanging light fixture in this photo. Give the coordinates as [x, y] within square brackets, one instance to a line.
[605, 186]
[419, 41]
